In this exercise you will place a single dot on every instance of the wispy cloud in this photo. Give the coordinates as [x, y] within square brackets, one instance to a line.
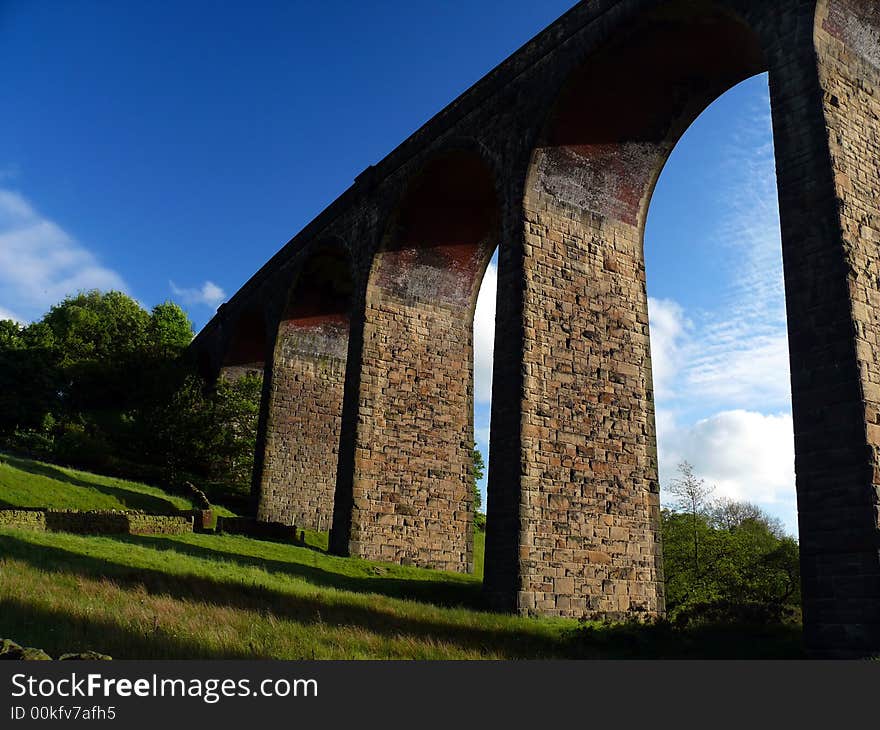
[40, 263]
[208, 294]
[721, 374]
[484, 335]
[737, 351]
[7, 314]
[669, 335]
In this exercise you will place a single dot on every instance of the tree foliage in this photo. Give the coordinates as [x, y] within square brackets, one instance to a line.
[100, 382]
[478, 467]
[724, 553]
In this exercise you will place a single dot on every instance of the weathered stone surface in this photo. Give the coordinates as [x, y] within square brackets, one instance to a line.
[29, 519]
[9, 650]
[97, 522]
[571, 134]
[85, 656]
[305, 393]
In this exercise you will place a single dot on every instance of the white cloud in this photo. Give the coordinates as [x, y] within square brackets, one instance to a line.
[6, 314]
[696, 362]
[484, 335]
[40, 263]
[668, 334]
[746, 455]
[208, 294]
[735, 352]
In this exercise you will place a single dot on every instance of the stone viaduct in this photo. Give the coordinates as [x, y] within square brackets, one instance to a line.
[362, 323]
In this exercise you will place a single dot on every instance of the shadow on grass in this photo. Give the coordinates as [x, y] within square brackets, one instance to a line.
[437, 592]
[59, 632]
[591, 641]
[128, 497]
[301, 609]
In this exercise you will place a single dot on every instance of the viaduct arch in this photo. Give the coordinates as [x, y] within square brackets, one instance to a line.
[553, 158]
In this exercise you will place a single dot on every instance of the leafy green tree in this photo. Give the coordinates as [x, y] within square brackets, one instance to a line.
[107, 326]
[206, 435]
[29, 377]
[478, 467]
[10, 333]
[235, 409]
[723, 557]
[692, 497]
[100, 382]
[169, 330]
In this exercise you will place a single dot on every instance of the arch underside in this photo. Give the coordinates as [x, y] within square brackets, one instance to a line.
[306, 394]
[246, 351]
[412, 499]
[588, 514]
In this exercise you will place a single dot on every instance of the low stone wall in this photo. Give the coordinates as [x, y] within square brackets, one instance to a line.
[144, 524]
[29, 519]
[250, 527]
[10, 650]
[97, 522]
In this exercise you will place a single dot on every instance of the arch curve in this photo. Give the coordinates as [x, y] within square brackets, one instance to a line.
[411, 493]
[588, 448]
[298, 481]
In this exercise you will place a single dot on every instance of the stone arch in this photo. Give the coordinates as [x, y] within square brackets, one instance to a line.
[439, 239]
[410, 497]
[298, 475]
[582, 535]
[246, 347]
[573, 469]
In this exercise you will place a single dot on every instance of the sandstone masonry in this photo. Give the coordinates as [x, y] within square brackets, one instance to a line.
[552, 159]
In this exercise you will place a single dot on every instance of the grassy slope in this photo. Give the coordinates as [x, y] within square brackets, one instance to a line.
[25, 483]
[204, 596]
[229, 596]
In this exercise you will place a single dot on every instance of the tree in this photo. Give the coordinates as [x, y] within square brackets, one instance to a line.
[724, 559]
[729, 514]
[102, 383]
[169, 331]
[692, 497]
[30, 376]
[477, 470]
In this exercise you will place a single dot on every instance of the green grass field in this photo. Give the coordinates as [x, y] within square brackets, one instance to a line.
[222, 596]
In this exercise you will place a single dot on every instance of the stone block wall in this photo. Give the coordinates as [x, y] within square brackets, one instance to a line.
[146, 524]
[573, 503]
[412, 501]
[97, 522]
[828, 137]
[259, 529]
[590, 543]
[305, 412]
[30, 519]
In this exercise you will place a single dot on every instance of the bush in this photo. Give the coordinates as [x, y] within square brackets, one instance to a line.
[747, 613]
[727, 561]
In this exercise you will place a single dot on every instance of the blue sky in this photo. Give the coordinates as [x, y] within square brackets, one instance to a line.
[169, 149]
